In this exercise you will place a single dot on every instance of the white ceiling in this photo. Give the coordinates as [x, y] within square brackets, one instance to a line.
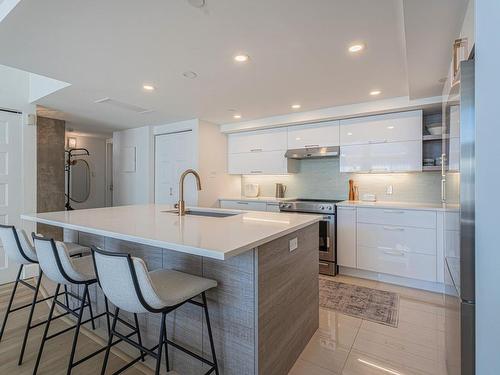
[298, 53]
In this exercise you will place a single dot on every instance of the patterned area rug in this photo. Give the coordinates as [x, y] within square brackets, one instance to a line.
[361, 302]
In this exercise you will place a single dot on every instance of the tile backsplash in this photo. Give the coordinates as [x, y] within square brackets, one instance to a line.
[321, 179]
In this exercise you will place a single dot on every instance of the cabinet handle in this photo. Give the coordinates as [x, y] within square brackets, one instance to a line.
[242, 202]
[393, 212]
[394, 229]
[384, 169]
[389, 251]
[323, 264]
[256, 150]
[443, 190]
[255, 171]
[379, 141]
[309, 146]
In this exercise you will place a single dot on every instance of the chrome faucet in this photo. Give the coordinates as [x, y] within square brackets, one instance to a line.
[181, 205]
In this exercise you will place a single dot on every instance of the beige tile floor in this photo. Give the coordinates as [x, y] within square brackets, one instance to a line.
[352, 346]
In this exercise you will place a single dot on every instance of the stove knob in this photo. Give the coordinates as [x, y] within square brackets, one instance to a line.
[288, 205]
[321, 207]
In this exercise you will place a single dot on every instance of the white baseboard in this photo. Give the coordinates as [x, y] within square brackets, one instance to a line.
[391, 279]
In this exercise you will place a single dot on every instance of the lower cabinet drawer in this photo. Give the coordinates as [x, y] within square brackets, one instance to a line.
[243, 205]
[410, 239]
[395, 216]
[395, 262]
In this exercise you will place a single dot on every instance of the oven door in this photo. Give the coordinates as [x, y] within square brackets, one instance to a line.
[327, 238]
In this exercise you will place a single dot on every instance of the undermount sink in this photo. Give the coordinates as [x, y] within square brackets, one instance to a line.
[204, 213]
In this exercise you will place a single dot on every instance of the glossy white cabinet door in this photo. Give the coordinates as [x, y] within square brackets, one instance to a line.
[267, 162]
[322, 134]
[346, 236]
[392, 127]
[397, 262]
[258, 141]
[382, 157]
[243, 205]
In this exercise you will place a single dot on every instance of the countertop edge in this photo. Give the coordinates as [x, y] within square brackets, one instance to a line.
[207, 253]
[401, 205]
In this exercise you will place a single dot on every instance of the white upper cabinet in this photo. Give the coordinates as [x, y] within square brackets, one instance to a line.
[392, 127]
[321, 134]
[258, 141]
[266, 162]
[382, 157]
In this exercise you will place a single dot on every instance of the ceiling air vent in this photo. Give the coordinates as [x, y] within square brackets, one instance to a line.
[122, 105]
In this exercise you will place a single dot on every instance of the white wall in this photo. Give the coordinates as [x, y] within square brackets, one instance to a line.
[216, 182]
[133, 187]
[14, 95]
[487, 187]
[97, 164]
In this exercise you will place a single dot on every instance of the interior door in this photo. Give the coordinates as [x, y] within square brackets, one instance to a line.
[10, 182]
[174, 153]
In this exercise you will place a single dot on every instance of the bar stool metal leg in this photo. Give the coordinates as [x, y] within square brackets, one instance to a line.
[139, 338]
[110, 341]
[46, 331]
[30, 318]
[166, 347]
[6, 317]
[160, 343]
[212, 347]
[77, 329]
[90, 310]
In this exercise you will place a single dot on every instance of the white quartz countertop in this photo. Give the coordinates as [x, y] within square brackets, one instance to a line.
[257, 199]
[212, 237]
[401, 205]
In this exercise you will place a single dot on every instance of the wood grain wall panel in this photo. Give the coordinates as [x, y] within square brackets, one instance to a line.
[288, 299]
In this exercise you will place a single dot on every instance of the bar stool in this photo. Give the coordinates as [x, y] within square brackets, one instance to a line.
[19, 249]
[127, 283]
[59, 267]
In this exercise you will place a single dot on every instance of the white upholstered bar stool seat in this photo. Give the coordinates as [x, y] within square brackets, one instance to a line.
[174, 287]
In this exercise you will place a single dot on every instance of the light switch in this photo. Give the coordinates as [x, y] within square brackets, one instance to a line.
[294, 243]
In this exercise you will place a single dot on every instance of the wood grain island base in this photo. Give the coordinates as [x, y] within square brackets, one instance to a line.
[263, 312]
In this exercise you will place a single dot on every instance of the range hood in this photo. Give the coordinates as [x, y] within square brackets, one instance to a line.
[313, 152]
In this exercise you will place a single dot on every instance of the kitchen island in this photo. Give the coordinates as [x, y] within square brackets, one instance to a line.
[265, 308]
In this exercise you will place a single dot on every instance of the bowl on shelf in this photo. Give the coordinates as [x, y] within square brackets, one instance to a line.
[434, 128]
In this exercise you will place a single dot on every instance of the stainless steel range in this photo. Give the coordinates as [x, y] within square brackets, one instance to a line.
[327, 229]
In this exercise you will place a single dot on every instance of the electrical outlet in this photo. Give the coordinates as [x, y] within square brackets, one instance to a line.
[388, 190]
[294, 244]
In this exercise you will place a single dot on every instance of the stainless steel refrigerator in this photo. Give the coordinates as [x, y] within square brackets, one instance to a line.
[458, 189]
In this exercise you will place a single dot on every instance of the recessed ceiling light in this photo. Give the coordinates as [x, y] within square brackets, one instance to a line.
[190, 75]
[236, 117]
[356, 47]
[148, 87]
[241, 58]
[375, 92]
[296, 106]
